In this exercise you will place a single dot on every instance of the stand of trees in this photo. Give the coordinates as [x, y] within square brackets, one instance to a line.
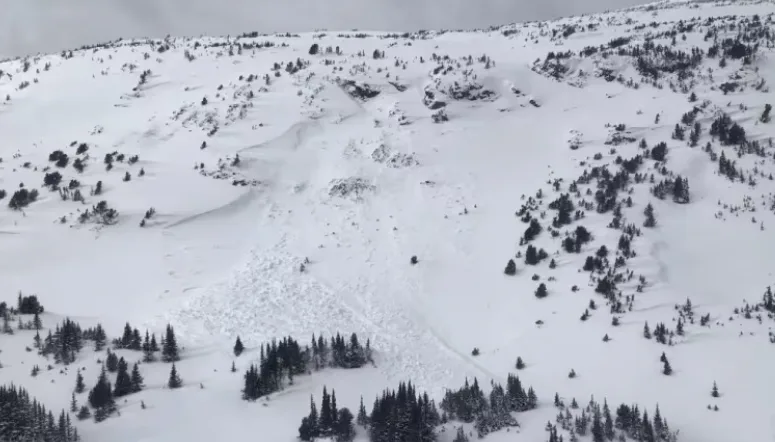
[65, 343]
[281, 361]
[329, 422]
[406, 415]
[25, 419]
[469, 404]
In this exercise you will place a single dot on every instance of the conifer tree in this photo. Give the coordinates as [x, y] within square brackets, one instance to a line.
[111, 362]
[531, 255]
[238, 347]
[170, 346]
[174, 380]
[520, 363]
[126, 338]
[326, 419]
[714, 392]
[363, 418]
[666, 368]
[136, 343]
[511, 268]
[80, 387]
[649, 213]
[148, 355]
[598, 434]
[136, 379]
[541, 291]
[83, 413]
[73, 403]
[334, 411]
[100, 338]
[344, 430]
[37, 341]
[608, 423]
[460, 436]
[101, 396]
[123, 381]
[309, 425]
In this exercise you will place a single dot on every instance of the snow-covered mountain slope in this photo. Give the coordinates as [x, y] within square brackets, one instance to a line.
[43, 26]
[280, 185]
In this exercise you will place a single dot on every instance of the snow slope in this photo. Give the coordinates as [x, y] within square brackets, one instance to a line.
[40, 26]
[358, 184]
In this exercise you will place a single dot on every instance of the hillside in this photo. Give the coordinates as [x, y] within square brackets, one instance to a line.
[591, 195]
[40, 26]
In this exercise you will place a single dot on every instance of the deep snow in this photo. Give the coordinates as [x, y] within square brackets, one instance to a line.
[358, 187]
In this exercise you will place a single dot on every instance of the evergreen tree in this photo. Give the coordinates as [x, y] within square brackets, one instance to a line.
[126, 338]
[174, 380]
[650, 220]
[84, 413]
[531, 255]
[520, 363]
[238, 347]
[598, 433]
[714, 392]
[326, 418]
[363, 418]
[80, 387]
[148, 351]
[123, 381]
[646, 331]
[460, 436]
[73, 403]
[154, 345]
[344, 430]
[136, 343]
[136, 379]
[170, 346]
[36, 322]
[334, 411]
[666, 368]
[308, 429]
[111, 362]
[681, 190]
[100, 338]
[101, 397]
[608, 423]
[511, 268]
[541, 291]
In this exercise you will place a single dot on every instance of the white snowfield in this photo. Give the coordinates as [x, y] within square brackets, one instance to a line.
[292, 189]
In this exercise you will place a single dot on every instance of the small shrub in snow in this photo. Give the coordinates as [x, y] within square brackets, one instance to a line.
[714, 392]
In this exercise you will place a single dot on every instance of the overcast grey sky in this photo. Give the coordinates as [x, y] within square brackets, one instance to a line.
[30, 26]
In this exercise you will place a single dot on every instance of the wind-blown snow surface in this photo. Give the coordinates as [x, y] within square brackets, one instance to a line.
[359, 183]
